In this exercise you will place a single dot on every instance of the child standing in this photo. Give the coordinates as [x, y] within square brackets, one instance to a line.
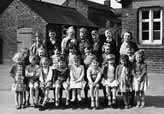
[110, 41]
[18, 73]
[32, 76]
[76, 78]
[140, 80]
[55, 58]
[61, 79]
[45, 78]
[123, 74]
[71, 55]
[94, 77]
[109, 80]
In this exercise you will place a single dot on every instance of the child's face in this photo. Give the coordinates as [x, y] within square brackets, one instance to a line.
[41, 53]
[129, 51]
[71, 33]
[124, 62]
[33, 61]
[108, 36]
[107, 50]
[82, 35]
[87, 51]
[76, 62]
[38, 39]
[45, 63]
[72, 51]
[139, 58]
[95, 36]
[94, 63]
[61, 64]
[111, 62]
[127, 37]
[52, 36]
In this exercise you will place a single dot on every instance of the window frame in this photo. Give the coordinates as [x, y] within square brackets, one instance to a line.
[150, 21]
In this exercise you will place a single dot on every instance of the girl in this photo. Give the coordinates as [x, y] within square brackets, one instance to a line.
[32, 76]
[130, 52]
[123, 74]
[107, 51]
[109, 80]
[71, 55]
[88, 56]
[109, 41]
[17, 72]
[94, 76]
[45, 78]
[55, 58]
[140, 80]
[76, 78]
[127, 37]
[61, 78]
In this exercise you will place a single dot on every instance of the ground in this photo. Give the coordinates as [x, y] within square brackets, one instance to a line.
[154, 99]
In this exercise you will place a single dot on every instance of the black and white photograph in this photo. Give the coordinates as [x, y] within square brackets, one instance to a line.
[82, 56]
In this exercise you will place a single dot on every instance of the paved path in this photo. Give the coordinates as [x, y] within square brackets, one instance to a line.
[154, 99]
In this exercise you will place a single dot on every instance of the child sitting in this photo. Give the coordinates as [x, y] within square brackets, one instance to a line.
[140, 79]
[45, 78]
[32, 75]
[76, 78]
[123, 74]
[61, 78]
[17, 72]
[94, 77]
[109, 80]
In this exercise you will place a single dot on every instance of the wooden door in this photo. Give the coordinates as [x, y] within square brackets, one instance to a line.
[24, 38]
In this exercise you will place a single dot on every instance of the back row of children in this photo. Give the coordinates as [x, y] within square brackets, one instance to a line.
[77, 66]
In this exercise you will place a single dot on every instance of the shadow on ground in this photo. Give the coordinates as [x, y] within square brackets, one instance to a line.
[155, 101]
[151, 101]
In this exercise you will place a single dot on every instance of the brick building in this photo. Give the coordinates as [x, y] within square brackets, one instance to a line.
[21, 18]
[102, 15]
[145, 19]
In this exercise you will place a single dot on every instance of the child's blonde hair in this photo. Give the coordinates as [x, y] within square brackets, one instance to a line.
[18, 57]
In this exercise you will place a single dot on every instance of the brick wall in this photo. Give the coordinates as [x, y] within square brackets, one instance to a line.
[16, 16]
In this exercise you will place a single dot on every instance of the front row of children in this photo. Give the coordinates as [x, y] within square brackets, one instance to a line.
[123, 78]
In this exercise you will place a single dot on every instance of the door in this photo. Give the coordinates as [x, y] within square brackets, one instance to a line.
[24, 38]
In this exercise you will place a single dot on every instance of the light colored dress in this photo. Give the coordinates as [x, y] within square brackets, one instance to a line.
[140, 79]
[109, 78]
[18, 72]
[77, 73]
[124, 77]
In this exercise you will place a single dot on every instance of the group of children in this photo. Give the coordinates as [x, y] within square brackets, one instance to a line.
[74, 72]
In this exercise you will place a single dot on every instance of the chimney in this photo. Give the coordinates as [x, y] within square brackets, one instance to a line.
[107, 3]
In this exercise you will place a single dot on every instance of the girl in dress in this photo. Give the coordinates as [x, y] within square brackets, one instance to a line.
[94, 77]
[71, 55]
[61, 79]
[17, 72]
[109, 80]
[45, 78]
[76, 78]
[32, 76]
[140, 79]
[55, 58]
[123, 74]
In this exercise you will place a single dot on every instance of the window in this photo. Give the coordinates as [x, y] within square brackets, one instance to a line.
[150, 25]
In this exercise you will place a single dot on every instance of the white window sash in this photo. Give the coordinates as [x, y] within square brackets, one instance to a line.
[150, 21]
